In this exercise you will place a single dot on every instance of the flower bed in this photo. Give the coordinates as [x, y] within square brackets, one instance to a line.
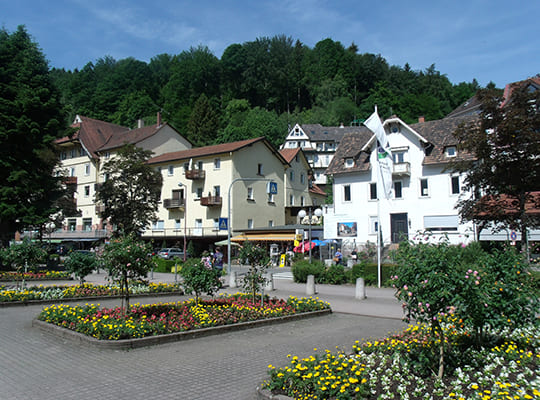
[392, 368]
[164, 318]
[34, 276]
[77, 291]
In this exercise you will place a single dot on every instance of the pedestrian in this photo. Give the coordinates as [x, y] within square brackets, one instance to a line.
[218, 260]
[338, 256]
[206, 259]
[354, 255]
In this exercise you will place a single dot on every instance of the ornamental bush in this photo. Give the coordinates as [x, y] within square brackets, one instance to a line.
[81, 264]
[199, 278]
[27, 253]
[301, 269]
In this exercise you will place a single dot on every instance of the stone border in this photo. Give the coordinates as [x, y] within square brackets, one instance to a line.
[265, 394]
[126, 344]
[87, 298]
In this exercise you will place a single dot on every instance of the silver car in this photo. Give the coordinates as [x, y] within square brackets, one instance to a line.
[170, 253]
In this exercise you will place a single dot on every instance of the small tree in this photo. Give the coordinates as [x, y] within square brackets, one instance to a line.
[27, 253]
[81, 264]
[258, 260]
[199, 278]
[126, 258]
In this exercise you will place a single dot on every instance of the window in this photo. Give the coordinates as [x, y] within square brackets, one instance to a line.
[398, 157]
[216, 225]
[250, 223]
[217, 191]
[177, 224]
[87, 224]
[158, 225]
[250, 193]
[373, 191]
[373, 224]
[259, 169]
[87, 191]
[107, 155]
[186, 167]
[87, 169]
[347, 193]
[199, 192]
[170, 170]
[106, 177]
[441, 223]
[81, 151]
[455, 185]
[200, 165]
[450, 151]
[217, 163]
[291, 175]
[349, 163]
[302, 201]
[398, 190]
[72, 224]
[424, 187]
[72, 171]
[296, 158]
[291, 200]
[302, 179]
[270, 223]
[73, 153]
[270, 197]
[63, 155]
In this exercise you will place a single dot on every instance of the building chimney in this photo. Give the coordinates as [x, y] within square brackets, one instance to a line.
[421, 119]
[140, 123]
[158, 119]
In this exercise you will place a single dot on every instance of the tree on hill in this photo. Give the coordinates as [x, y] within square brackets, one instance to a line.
[132, 192]
[31, 118]
[505, 173]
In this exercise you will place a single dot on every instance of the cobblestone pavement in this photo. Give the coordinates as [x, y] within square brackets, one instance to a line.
[38, 365]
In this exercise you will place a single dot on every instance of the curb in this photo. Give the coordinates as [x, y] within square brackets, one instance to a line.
[265, 394]
[126, 344]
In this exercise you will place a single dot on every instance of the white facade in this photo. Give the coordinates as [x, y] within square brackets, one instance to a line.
[424, 197]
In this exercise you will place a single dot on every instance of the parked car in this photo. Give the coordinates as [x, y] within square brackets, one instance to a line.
[170, 253]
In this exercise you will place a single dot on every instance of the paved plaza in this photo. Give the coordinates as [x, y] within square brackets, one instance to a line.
[39, 365]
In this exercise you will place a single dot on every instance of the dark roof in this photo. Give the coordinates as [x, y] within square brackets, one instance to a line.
[439, 135]
[213, 150]
[130, 136]
[471, 106]
[533, 82]
[319, 133]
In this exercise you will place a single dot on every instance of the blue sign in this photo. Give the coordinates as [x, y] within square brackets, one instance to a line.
[513, 235]
[223, 224]
[271, 188]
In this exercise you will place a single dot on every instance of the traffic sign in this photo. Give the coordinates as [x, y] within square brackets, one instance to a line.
[223, 224]
[271, 188]
[513, 235]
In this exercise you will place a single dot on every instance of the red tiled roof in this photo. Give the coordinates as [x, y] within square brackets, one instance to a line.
[289, 154]
[317, 190]
[535, 81]
[508, 205]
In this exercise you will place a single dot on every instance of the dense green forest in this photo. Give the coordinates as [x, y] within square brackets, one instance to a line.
[257, 88]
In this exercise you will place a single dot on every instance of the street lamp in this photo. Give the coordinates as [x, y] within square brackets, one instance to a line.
[302, 215]
[180, 184]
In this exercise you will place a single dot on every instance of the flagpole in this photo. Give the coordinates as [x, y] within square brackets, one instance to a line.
[379, 187]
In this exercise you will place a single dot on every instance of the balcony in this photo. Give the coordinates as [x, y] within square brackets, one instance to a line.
[100, 209]
[402, 169]
[174, 203]
[195, 174]
[211, 201]
[70, 180]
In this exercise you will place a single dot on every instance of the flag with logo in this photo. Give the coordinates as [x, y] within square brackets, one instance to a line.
[384, 155]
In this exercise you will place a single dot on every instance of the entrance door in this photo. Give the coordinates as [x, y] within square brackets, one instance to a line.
[399, 227]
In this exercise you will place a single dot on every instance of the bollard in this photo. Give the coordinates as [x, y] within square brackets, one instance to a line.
[269, 282]
[310, 285]
[360, 293]
[232, 279]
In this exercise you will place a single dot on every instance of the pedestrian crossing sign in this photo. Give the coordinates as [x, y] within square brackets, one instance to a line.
[223, 224]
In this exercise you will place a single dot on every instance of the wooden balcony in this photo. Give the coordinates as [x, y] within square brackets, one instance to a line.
[211, 201]
[195, 174]
[174, 203]
[402, 169]
[70, 180]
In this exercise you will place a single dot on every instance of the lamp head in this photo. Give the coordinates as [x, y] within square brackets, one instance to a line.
[302, 213]
[318, 212]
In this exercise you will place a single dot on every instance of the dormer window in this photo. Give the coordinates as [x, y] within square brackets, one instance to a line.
[450, 151]
[349, 163]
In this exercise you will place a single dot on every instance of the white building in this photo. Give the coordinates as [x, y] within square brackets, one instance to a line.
[424, 195]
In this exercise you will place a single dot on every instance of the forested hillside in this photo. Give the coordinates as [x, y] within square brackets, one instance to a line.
[257, 89]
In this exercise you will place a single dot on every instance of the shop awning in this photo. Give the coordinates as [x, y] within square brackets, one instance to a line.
[264, 237]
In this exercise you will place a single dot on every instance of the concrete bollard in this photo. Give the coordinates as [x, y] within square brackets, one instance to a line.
[328, 262]
[269, 282]
[360, 293]
[232, 279]
[310, 285]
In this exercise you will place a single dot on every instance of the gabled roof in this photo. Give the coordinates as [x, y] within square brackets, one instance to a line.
[351, 147]
[316, 190]
[214, 150]
[289, 154]
[471, 106]
[319, 133]
[131, 136]
[530, 82]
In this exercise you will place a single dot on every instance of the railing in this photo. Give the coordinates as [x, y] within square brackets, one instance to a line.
[78, 234]
[202, 232]
[174, 203]
[195, 174]
[403, 168]
[211, 201]
[70, 180]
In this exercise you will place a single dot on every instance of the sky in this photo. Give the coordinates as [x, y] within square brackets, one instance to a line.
[487, 40]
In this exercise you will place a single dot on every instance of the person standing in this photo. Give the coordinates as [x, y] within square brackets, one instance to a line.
[218, 260]
[338, 256]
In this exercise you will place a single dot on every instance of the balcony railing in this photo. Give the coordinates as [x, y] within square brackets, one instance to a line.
[70, 180]
[211, 232]
[195, 174]
[78, 234]
[173, 203]
[211, 201]
[403, 168]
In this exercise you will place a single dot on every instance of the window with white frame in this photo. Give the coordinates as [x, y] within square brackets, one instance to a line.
[158, 225]
[72, 171]
[441, 223]
[250, 193]
[217, 163]
[291, 175]
[199, 192]
[346, 192]
[73, 153]
[250, 223]
[72, 224]
[170, 170]
[87, 169]
[302, 201]
[87, 191]
[302, 179]
[270, 223]
[87, 224]
[81, 152]
[398, 157]
[349, 163]
[398, 189]
[271, 198]
[215, 228]
[217, 191]
[454, 181]
[424, 189]
[373, 224]
[177, 224]
[291, 200]
[450, 151]
[373, 191]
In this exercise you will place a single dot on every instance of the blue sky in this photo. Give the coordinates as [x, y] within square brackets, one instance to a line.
[490, 40]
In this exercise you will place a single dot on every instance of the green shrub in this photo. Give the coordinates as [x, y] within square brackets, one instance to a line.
[369, 272]
[165, 265]
[301, 269]
[335, 275]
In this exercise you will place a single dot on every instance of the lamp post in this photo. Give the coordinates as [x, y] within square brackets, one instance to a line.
[302, 214]
[180, 184]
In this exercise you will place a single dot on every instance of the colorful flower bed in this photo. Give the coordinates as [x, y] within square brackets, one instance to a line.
[392, 369]
[33, 276]
[164, 318]
[77, 291]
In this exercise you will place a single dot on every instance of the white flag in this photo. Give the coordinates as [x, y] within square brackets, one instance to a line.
[384, 155]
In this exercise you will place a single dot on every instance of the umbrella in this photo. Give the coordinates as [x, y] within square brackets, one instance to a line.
[225, 242]
[303, 247]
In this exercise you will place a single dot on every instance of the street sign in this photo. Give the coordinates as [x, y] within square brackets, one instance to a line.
[513, 235]
[223, 224]
[271, 187]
